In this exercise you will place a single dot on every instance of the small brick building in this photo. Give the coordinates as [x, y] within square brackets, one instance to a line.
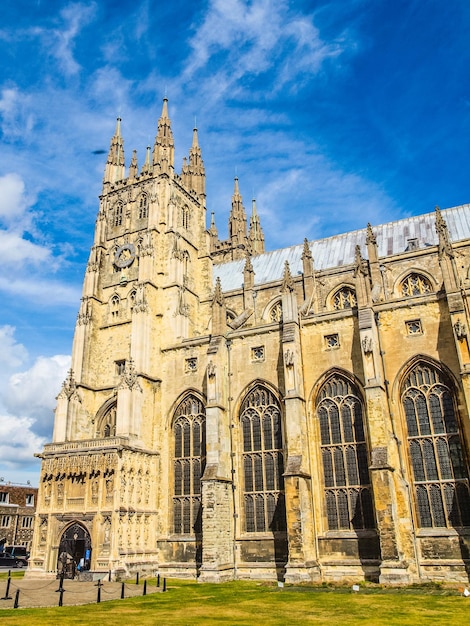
[17, 509]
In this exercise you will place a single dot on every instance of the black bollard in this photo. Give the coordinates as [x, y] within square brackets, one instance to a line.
[17, 599]
[122, 591]
[61, 583]
[7, 592]
[145, 588]
[158, 580]
[164, 584]
[98, 595]
[137, 578]
[61, 597]
[109, 575]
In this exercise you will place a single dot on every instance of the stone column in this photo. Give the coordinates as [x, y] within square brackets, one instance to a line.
[302, 564]
[218, 520]
[391, 502]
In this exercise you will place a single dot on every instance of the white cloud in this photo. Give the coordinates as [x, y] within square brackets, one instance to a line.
[27, 401]
[18, 443]
[12, 353]
[13, 203]
[33, 391]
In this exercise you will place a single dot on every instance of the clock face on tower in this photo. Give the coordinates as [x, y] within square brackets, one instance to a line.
[125, 255]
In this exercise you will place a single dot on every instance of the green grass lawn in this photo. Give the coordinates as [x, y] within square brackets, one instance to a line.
[250, 603]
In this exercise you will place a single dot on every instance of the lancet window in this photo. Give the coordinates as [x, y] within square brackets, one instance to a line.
[263, 462]
[189, 431]
[345, 457]
[118, 211]
[440, 469]
[185, 217]
[143, 206]
[115, 307]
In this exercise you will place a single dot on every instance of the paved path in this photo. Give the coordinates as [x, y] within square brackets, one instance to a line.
[37, 592]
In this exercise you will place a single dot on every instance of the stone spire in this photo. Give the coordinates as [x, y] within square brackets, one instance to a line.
[114, 170]
[255, 234]
[196, 168]
[237, 219]
[164, 147]
[248, 273]
[133, 167]
[446, 255]
[147, 167]
[307, 259]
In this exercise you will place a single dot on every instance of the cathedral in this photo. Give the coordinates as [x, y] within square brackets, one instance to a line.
[299, 415]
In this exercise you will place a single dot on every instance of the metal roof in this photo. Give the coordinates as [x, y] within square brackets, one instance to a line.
[392, 238]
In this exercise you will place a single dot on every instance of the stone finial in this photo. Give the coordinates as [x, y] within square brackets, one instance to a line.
[287, 281]
[129, 378]
[445, 246]
[362, 267]
[133, 167]
[218, 295]
[371, 239]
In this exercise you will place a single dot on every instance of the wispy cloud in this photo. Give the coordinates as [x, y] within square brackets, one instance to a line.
[239, 41]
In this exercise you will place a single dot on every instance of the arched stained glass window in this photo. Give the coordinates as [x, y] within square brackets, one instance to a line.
[189, 430]
[275, 314]
[440, 472]
[344, 298]
[347, 485]
[415, 285]
[263, 462]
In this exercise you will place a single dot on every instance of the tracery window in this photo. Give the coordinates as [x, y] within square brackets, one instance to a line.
[263, 462]
[415, 285]
[344, 298]
[118, 211]
[143, 206]
[436, 449]
[189, 430]
[107, 422]
[275, 314]
[344, 454]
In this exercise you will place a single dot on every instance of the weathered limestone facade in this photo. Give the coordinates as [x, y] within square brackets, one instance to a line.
[230, 412]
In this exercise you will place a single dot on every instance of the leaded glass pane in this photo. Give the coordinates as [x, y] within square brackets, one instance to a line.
[436, 413]
[437, 507]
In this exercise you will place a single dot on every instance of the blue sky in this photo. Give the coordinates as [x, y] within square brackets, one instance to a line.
[332, 114]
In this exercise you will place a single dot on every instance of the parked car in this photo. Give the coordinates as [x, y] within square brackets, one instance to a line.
[19, 552]
[8, 560]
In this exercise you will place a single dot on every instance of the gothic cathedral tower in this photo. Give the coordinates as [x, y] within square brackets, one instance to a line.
[148, 276]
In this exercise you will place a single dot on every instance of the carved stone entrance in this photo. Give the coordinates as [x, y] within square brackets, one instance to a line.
[74, 551]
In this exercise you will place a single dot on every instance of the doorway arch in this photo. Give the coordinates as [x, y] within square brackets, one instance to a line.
[74, 551]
